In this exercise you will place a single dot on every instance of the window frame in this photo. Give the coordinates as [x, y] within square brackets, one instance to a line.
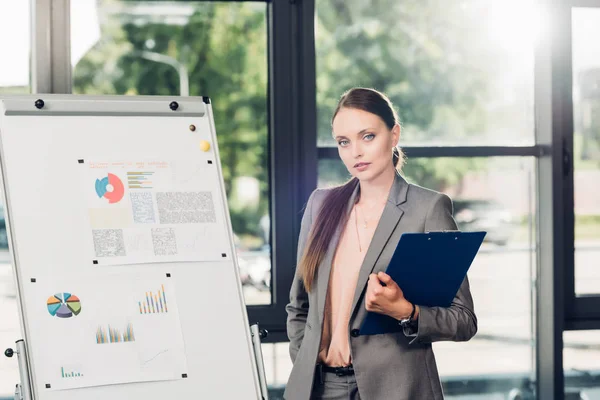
[582, 312]
[559, 310]
[294, 158]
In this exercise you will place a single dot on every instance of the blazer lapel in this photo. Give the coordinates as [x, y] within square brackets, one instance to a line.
[387, 223]
[324, 271]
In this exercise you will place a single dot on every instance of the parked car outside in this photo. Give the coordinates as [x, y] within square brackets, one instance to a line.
[256, 267]
[485, 215]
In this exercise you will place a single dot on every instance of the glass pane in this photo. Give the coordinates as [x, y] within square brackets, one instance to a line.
[586, 117]
[15, 45]
[216, 49]
[500, 359]
[581, 363]
[454, 69]
[278, 365]
[15, 52]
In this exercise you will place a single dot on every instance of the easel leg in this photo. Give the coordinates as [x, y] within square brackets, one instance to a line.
[262, 379]
[22, 390]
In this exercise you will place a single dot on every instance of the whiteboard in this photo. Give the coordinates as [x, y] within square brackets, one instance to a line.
[123, 249]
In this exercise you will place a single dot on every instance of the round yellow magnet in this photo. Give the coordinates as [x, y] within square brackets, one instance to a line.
[204, 145]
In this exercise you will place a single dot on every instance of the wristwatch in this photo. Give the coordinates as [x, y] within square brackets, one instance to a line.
[408, 320]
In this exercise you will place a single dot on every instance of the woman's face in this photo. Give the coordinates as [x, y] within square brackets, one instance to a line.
[364, 142]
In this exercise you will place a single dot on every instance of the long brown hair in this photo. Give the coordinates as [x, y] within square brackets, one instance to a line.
[334, 212]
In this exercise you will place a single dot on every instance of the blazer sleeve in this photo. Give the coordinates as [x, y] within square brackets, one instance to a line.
[297, 308]
[458, 321]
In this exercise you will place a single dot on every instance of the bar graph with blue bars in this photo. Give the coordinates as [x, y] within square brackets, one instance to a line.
[154, 303]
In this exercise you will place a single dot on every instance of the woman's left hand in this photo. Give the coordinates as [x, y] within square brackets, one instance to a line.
[388, 299]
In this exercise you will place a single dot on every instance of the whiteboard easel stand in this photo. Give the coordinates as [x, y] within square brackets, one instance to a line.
[23, 389]
[258, 334]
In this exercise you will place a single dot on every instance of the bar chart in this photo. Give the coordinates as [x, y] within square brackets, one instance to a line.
[154, 303]
[114, 335]
[71, 374]
[139, 180]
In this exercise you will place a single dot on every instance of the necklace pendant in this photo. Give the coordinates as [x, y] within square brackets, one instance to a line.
[365, 225]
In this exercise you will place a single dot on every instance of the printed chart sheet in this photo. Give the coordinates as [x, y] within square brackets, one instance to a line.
[109, 331]
[154, 211]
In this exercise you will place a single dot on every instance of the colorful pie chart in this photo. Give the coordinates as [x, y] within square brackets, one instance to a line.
[111, 188]
[63, 305]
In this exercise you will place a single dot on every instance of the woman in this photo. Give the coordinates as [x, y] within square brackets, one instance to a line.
[348, 236]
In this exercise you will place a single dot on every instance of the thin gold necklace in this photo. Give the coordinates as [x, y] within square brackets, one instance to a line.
[356, 226]
[364, 220]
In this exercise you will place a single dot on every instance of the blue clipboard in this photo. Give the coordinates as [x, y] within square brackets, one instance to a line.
[429, 268]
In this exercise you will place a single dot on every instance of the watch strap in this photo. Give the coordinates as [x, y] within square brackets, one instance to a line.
[409, 319]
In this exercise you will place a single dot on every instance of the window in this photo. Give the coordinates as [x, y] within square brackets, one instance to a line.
[457, 70]
[215, 49]
[586, 140]
[582, 364]
[15, 47]
[461, 75]
[505, 342]
[499, 360]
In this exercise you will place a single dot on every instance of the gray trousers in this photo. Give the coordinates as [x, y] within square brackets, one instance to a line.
[333, 387]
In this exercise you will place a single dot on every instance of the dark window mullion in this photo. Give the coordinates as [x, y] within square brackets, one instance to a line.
[271, 317]
[586, 308]
[292, 138]
[456, 151]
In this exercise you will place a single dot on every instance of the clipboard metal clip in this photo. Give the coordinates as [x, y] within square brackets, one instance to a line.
[444, 231]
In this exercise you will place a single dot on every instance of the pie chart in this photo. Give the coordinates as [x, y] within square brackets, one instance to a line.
[64, 305]
[111, 188]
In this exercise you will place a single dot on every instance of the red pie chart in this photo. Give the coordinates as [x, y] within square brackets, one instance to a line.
[111, 188]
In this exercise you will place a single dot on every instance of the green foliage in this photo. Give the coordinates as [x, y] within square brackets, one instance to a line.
[423, 58]
[223, 48]
[422, 53]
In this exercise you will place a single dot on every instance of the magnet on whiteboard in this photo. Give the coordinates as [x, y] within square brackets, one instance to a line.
[204, 145]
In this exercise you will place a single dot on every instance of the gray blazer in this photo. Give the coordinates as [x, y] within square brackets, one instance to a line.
[388, 366]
